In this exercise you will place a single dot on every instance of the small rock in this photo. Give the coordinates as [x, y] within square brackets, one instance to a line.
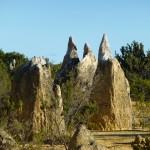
[6, 141]
[83, 140]
[138, 139]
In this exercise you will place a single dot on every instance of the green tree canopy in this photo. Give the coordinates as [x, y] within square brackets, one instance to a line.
[5, 78]
[6, 58]
[5, 86]
[136, 65]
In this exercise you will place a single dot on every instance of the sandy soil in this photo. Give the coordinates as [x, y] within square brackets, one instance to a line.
[113, 140]
[118, 140]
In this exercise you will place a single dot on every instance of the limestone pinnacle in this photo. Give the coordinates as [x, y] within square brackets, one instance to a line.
[87, 49]
[104, 50]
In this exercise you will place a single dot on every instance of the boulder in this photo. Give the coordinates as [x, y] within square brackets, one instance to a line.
[83, 140]
[138, 139]
[141, 143]
[32, 92]
[6, 141]
[111, 92]
[86, 69]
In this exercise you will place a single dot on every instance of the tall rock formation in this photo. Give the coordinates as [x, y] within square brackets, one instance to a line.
[86, 69]
[70, 61]
[58, 120]
[32, 92]
[111, 92]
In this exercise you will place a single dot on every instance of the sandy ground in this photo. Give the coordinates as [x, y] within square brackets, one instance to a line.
[113, 140]
[118, 140]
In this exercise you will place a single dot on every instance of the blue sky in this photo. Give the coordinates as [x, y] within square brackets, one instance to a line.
[43, 27]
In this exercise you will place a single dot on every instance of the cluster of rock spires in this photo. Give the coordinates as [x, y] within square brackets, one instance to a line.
[105, 79]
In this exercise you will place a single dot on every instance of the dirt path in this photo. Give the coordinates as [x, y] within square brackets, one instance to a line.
[118, 140]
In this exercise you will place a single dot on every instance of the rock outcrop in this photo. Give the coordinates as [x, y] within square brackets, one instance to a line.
[69, 63]
[71, 52]
[111, 92]
[86, 69]
[7, 142]
[104, 50]
[32, 92]
[83, 140]
[58, 121]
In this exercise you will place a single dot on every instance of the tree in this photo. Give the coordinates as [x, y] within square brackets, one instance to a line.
[5, 78]
[6, 58]
[5, 87]
[54, 69]
[77, 108]
[136, 66]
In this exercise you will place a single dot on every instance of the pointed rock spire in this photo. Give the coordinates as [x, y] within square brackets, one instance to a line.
[110, 90]
[86, 69]
[71, 44]
[87, 49]
[70, 62]
[104, 50]
[71, 51]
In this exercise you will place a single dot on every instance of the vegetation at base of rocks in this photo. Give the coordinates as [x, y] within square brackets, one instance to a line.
[136, 65]
[77, 108]
[141, 143]
[22, 134]
[5, 89]
[143, 114]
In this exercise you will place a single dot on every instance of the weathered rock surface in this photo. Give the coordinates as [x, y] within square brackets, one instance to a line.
[71, 52]
[7, 142]
[59, 122]
[104, 50]
[86, 69]
[111, 92]
[69, 63]
[32, 91]
[83, 140]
